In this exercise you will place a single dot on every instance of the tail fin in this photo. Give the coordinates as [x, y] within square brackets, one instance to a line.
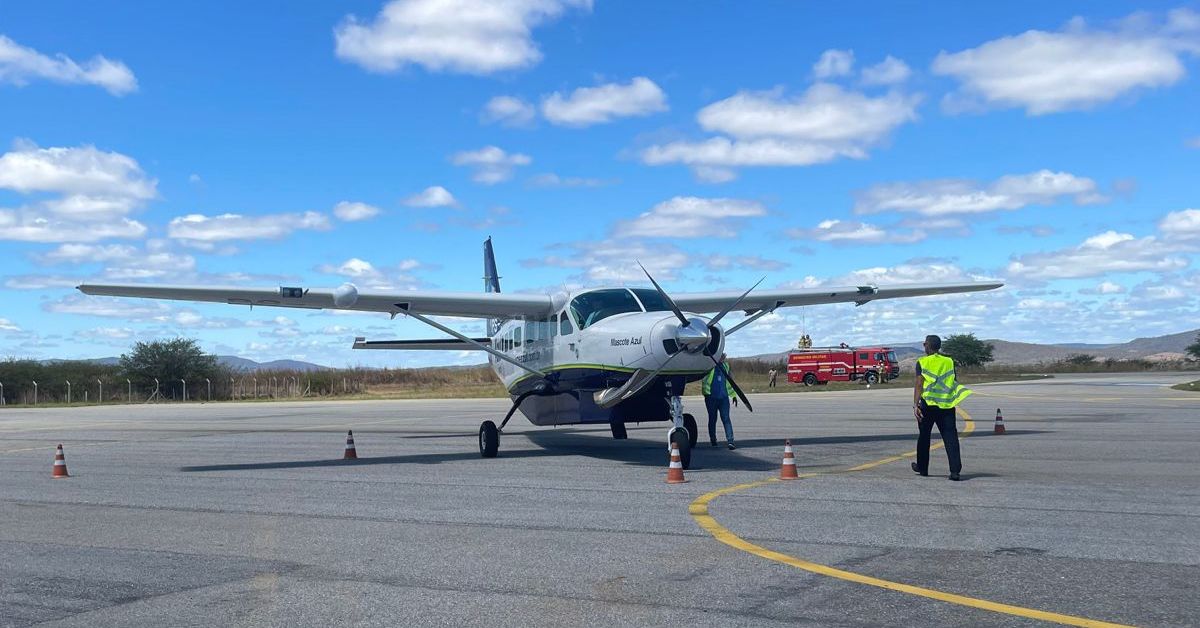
[491, 280]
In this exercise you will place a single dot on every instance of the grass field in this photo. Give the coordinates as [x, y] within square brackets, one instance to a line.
[1190, 386]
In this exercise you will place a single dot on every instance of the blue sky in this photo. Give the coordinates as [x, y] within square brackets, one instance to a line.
[1052, 145]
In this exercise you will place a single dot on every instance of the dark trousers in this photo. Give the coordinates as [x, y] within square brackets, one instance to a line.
[718, 405]
[945, 419]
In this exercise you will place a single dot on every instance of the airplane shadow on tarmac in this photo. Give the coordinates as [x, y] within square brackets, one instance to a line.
[594, 443]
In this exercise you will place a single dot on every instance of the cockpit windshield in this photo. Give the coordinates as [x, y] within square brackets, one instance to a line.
[651, 299]
[597, 305]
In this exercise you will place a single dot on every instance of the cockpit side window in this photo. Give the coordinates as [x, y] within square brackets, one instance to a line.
[564, 325]
[597, 305]
[651, 300]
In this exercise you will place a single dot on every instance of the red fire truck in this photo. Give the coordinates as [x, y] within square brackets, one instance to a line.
[821, 365]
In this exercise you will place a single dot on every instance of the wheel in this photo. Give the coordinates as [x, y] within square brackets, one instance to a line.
[489, 439]
[689, 423]
[618, 430]
[683, 444]
[810, 379]
[871, 377]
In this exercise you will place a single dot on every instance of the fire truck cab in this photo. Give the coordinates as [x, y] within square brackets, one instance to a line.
[821, 365]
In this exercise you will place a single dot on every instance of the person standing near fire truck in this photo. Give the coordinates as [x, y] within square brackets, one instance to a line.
[936, 394]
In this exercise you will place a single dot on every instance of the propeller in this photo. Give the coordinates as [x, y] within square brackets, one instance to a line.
[688, 335]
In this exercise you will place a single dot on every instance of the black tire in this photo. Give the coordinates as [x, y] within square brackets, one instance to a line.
[810, 379]
[871, 377]
[684, 446]
[689, 423]
[618, 430]
[489, 439]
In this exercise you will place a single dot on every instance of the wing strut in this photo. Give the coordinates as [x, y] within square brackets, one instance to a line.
[467, 339]
[757, 315]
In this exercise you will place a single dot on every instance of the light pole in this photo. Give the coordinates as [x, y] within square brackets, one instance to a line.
[154, 394]
[274, 387]
[1, 393]
[100, 393]
[68, 391]
[209, 384]
[255, 387]
[35, 387]
[184, 382]
[232, 390]
[129, 398]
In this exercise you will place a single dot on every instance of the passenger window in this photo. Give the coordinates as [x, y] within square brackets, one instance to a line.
[517, 337]
[552, 324]
[864, 356]
[564, 325]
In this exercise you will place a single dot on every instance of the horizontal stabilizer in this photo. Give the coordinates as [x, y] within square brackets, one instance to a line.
[437, 344]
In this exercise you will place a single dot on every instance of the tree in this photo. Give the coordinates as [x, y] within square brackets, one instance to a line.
[169, 361]
[967, 350]
[1193, 349]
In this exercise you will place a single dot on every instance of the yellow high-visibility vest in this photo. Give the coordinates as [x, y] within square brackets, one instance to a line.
[940, 387]
[706, 385]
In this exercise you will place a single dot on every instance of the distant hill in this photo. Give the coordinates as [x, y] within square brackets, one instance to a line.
[231, 361]
[1169, 347]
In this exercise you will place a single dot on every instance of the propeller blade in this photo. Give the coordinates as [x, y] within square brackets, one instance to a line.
[666, 297]
[737, 389]
[732, 306]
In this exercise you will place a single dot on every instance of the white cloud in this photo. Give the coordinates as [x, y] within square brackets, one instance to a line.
[195, 179]
[367, 275]
[834, 63]
[942, 197]
[29, 226]
[720, 262]
[352, 212]
[1108, 287]
[491, 164]
[91, 184]
[1182, 225]
[597, 105]
[432, 196]
[890, 71]
[1108, 252]
[462, 36]
[20, 64]
[107, 333]
[1151, 291]
[7, 325]
[202, 229]
[109, 307]
[615, 261]
[551, 180]
[508, 111]
[1194, 142]
[1076, 68]
[853, 232]
[824, 123]
[40, 282]
[690, 217]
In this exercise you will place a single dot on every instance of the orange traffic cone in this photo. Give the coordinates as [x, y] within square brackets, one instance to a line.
[999, 429]
[60, 465]
[788, 470]
[675, 471]
[350, 454]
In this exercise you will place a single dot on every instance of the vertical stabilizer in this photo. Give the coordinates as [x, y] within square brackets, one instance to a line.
[491, 280]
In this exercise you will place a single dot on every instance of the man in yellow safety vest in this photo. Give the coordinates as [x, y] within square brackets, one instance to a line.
[935, 395]
[717, 393]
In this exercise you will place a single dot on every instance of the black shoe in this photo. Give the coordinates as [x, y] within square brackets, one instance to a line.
[731, 446]
[916, 470]
[954, 477]
[714, 443]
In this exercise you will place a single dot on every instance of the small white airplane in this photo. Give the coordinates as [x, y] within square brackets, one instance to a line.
[604, 355]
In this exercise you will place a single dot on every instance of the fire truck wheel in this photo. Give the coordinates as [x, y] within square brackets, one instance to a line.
[871, 377]
[810, 379]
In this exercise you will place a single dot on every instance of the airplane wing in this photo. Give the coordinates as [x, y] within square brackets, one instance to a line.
[436, 344]
[701, 302]
[346, 297]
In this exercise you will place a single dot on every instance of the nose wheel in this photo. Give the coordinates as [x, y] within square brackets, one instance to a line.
[489, 439]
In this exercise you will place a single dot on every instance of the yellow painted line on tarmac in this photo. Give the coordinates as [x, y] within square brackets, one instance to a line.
[698, 509]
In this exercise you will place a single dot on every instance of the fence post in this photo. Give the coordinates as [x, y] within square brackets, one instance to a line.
[68, 391]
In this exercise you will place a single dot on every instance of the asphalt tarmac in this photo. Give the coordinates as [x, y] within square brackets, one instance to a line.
[243, 514]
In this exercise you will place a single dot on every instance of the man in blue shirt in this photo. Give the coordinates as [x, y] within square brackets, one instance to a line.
[717, 393]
